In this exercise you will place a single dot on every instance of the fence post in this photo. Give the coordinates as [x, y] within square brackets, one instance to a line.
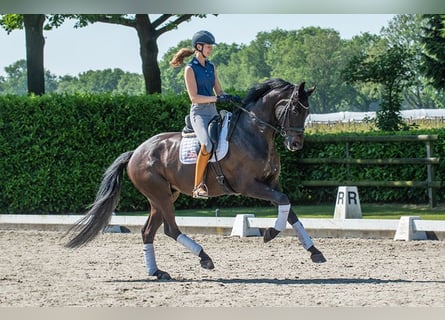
[430, 175]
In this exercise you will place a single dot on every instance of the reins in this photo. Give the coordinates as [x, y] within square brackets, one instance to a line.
[267, 124]
[281, 129]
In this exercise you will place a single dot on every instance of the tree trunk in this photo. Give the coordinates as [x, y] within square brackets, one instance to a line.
[34, 52]
[149, 54]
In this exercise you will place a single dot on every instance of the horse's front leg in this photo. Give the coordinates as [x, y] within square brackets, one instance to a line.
[285, 214]
[303, 236]
[305, 240]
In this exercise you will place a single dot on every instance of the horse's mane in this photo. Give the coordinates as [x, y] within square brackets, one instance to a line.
[261, 89]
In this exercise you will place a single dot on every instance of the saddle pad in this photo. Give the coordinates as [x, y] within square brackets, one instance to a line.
[189, 147]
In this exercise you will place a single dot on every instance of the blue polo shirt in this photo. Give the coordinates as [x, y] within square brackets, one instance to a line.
[204, 75]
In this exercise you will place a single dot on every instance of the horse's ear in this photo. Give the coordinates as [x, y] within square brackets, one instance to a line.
[301, 88]
[311, 91]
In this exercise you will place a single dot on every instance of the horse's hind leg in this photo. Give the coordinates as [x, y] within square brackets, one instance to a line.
[148, 234]
[306, 241]
[171, 229]
[163, 200]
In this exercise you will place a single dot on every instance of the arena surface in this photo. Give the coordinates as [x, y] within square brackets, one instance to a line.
[36, 270]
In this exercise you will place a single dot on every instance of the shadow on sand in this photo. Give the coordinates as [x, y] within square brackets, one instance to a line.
[324, 281]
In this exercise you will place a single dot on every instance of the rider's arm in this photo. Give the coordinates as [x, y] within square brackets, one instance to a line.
[192, 88]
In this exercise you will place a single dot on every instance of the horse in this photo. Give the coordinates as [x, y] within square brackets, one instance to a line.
[251, 168]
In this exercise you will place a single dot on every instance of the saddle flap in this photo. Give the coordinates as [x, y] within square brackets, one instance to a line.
[214, 129]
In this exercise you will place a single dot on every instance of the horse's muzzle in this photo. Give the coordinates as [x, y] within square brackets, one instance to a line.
[294, 143]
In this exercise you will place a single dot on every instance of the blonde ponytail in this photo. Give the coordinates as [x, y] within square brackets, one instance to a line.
[179, 57]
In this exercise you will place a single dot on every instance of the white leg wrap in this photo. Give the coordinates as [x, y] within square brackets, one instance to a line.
[189, 244]
[302, 235]
[150, 259]
[283, 213]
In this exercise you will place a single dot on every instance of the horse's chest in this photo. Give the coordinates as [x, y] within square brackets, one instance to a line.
[271, 168]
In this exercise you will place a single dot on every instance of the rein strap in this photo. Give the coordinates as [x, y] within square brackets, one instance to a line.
[281, 129]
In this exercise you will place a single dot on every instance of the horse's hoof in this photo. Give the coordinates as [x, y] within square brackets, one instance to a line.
[207, 264]
[318, 258]
[270, 234]
[162, 275]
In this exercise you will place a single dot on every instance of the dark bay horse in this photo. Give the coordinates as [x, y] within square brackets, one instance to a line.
[251, 168]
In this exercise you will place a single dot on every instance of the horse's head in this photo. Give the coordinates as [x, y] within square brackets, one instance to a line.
[289, 105]
[291, 114]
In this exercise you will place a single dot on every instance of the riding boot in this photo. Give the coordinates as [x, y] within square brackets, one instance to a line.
[200, 189]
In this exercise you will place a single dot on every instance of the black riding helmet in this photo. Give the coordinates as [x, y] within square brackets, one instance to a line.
[202, 37]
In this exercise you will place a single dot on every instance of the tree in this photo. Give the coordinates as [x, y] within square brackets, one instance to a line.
[388, 66]
[100, 81]
[362, 95]
[434, 55]
[34, 24]
[148, 32]
[315, 55]
[407, 31]
[16, 79]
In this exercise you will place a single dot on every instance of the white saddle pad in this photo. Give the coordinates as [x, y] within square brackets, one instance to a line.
[189, 148]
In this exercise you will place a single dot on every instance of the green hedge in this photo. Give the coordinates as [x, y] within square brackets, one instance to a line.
[55, 148]
[294, 172]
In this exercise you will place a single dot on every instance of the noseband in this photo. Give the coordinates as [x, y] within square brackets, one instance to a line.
[283, 116]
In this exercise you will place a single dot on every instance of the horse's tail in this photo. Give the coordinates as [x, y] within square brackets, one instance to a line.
[107, 198]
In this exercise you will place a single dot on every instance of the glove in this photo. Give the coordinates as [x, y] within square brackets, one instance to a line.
[224, 98]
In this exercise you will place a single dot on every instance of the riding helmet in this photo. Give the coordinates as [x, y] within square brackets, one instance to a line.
[202, 37]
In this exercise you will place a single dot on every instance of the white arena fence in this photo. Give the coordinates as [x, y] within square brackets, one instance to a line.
[243, 225]
[349, 116]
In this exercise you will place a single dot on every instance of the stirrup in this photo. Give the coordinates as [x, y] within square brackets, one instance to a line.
[201, 192]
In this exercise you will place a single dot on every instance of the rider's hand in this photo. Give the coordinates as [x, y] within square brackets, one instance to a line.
[224, 98]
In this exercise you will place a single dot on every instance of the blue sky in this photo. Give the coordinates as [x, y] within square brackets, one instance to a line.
[101, 46]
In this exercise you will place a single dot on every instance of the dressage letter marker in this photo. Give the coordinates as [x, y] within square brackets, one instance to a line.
[347, 205]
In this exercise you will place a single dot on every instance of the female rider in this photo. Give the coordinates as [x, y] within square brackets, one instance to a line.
[204, 90]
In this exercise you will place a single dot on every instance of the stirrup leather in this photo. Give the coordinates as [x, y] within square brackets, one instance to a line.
[201, 191]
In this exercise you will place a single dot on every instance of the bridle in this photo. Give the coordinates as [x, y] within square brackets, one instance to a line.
[282, 117]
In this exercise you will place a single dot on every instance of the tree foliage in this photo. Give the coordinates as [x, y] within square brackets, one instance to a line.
[407, 31]
[102, 81]
[434, 53]
[388, 65]
[148, 31]
[315, 55]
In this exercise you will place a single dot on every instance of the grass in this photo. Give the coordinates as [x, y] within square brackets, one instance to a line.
[369, 211]
[336, 127]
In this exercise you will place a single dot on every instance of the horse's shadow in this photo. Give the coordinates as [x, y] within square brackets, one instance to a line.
[274, 281]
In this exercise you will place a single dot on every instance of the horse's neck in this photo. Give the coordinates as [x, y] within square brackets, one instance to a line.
[263, 112]
[252, 134]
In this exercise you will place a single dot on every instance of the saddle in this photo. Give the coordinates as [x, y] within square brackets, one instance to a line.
[218, 128]
[214, 128]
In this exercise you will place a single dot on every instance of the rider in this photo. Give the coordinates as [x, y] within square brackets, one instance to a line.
[204, 90]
